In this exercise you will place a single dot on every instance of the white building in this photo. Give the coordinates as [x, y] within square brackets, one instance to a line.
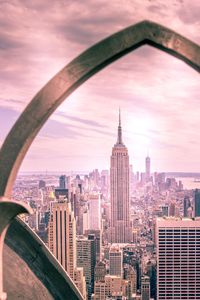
[94, 211]
[85, 221]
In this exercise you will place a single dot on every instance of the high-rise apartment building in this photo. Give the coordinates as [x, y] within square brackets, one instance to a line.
[86, 258]
[98, 242]
[94, 211]
[178, 259]
[115, 261]
[148, 168]
[85, 217]
[119, 191]
[62, 235]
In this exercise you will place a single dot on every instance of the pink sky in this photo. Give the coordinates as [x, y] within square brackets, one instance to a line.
[158, 94]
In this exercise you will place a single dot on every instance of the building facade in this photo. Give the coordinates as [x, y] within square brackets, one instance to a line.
[115, 261]
[62, 235]
[79, 280]
[94, 211]
[119, 191]
[113, 287]
[178, 258]
[86, 258]
[197, 203]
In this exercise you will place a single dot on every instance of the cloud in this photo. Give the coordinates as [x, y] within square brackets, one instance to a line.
[81, 120]
[189, 14]
[59, 130]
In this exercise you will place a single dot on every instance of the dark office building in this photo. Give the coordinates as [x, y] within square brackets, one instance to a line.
[62, 182]
[61, 192]
[86, 258]
[186, 205]
[197, 203]
[42, 184]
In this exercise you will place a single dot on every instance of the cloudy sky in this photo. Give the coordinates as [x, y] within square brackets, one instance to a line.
[159, 95]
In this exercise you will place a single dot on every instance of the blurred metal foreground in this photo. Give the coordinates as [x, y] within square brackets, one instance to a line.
[23, 244]
[8, 211]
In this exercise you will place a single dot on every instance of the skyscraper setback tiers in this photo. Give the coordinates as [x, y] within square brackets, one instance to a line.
[119, 191]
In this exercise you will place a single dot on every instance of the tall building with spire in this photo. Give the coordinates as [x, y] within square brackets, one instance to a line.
[119, 191]
[148, 168]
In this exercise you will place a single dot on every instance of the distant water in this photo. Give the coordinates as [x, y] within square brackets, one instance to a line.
[189, 183]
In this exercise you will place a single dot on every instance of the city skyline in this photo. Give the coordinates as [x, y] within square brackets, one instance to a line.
[157, 115]
[103, 213]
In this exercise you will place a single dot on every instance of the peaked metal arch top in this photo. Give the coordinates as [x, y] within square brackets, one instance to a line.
[74, 74]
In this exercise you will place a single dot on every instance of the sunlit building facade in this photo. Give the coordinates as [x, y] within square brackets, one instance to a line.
[178, 259]
[62, 235]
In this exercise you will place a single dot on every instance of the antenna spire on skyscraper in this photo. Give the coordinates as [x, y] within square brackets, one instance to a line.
[119, 116]
[119, 139]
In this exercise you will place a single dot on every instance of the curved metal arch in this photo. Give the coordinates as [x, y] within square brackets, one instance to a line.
[73, 75]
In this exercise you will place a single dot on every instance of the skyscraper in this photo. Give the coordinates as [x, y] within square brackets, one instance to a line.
[115, 261]
[98, 241]
[62, 235]
[148, 168]
[197, 203]
[178, 258]
[94, 211]
[119, 191]
[62, 182]
[86, 258]
[186, 205]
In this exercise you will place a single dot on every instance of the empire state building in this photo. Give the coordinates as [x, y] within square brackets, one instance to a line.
[119, 191]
